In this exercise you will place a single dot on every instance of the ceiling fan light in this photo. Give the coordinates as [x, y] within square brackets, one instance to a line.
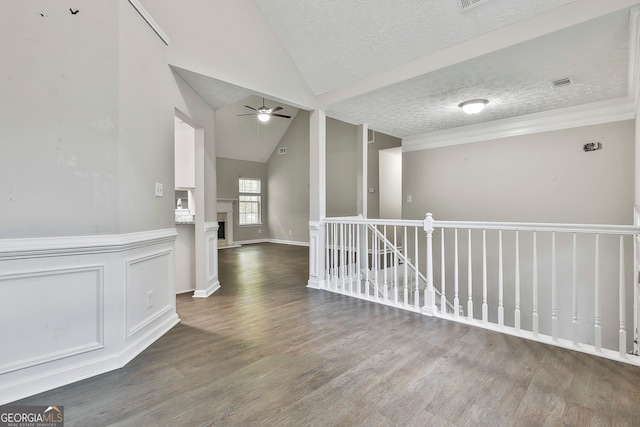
[263, 117]
[473, 106]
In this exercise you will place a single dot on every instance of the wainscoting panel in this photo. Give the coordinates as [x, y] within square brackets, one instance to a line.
[73, 307]
[149, 289]
[54, 314]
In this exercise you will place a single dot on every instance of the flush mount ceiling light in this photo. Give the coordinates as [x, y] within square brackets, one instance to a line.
[473, 106]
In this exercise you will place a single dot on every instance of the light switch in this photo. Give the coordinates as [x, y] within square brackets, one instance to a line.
[159, 189]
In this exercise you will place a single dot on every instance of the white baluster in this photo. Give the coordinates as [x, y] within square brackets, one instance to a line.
[622, 334]
[456, 300]
[358, 260]
[554, 290]
[384, 254]
[366, 260]
[443, 298]
[485, 306]
[348, 254]
[343, 259]
[516, 313]
[326, 255]
[406, 267]
[352, 257]
[534, 316]
[416, 297]
[597, 326]
[469, 281]
[336, 249]
[395, 265]
[376, 270]
[574, 294]
[500, 282]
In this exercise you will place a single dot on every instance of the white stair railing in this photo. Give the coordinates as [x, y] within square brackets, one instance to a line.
[564, 284]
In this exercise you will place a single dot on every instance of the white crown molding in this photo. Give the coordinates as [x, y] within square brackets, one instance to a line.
[211, 226]
[82, 245]
[566, 118]
[152, 23]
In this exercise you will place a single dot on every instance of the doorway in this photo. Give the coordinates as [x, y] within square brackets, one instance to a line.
[390, 183]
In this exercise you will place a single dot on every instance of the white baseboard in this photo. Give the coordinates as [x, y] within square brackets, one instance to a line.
[289, 242]
[250, 242]
[206, 293]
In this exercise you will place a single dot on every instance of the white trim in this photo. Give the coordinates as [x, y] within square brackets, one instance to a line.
[211, 226]
[207, 292]
[566, 118]
[82, 245]
[288, 242]
[152, 23]
[250, 242]
[146, 339]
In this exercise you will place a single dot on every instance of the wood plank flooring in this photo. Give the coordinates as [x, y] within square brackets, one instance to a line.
[266, 350]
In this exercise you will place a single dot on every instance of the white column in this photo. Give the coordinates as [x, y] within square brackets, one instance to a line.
[317, 196]
[361, 179]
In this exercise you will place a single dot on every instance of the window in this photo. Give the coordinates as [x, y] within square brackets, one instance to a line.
[249, 201]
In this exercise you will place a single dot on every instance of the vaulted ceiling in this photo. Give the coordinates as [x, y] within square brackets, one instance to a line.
[403, 66]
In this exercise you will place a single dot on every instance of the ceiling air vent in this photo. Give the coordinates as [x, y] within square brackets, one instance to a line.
[565, 81]
[464, 5]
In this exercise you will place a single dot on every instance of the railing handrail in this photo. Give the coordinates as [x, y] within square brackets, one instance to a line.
[507, 226]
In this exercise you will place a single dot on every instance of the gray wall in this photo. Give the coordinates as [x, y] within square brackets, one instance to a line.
[341, 168]
[545, 177]
[288, 179]
[229, 171]
[59, 121]
[89, 129]
[381, 142]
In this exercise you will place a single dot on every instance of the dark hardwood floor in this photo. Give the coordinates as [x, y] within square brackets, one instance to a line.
[266, 350]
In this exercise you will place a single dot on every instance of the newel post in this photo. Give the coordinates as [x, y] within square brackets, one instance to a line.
[429, 307]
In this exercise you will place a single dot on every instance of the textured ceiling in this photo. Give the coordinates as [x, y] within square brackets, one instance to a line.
[403, 66]
[515, 80]
[335, 43]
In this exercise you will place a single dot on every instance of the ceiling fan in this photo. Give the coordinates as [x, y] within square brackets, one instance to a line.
[264, 113]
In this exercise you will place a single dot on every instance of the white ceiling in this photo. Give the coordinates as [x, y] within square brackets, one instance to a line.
[403, 66]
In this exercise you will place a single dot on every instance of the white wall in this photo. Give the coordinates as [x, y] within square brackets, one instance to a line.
[230, 29]
[390, 183]
[58, 119]
[185, 165]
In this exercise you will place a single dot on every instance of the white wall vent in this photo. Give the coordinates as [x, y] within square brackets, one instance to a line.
[565, 81]
[464, 5]
[282, 150]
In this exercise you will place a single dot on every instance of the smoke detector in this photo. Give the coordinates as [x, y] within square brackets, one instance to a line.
[465, 5]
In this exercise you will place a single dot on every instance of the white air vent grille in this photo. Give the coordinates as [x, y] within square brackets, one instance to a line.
[282, 150]
[468, 4]
[565, 81]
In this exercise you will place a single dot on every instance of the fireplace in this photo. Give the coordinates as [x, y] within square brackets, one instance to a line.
[221, 227]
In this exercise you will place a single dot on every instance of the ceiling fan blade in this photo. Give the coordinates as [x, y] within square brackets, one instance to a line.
[248, 114]
[251, 108]
[281, 115]
[274, 109]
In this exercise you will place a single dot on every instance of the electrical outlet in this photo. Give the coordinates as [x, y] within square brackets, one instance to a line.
[409, 198]
[159, 189]
[259, 230]
[289, 232]
[149, 299]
